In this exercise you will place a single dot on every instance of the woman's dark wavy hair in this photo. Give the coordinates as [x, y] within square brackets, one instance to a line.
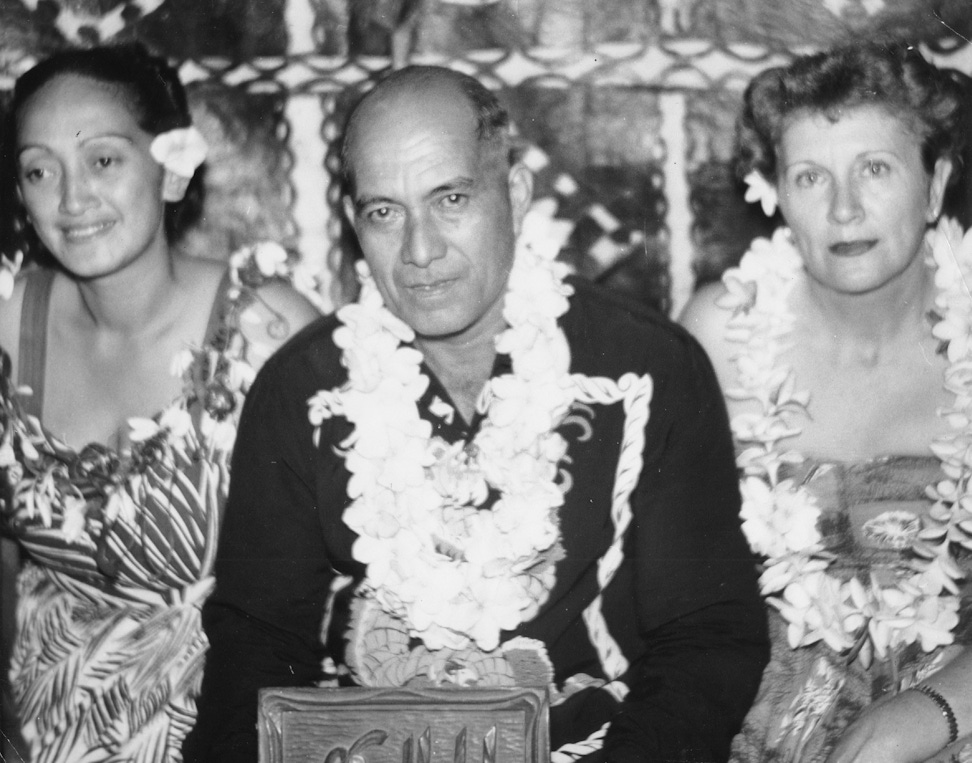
[151, 90]
[892, 74]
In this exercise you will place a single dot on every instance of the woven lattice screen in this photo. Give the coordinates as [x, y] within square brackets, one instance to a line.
[626, 107]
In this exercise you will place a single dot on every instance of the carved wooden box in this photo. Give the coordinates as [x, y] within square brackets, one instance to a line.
[404, 725]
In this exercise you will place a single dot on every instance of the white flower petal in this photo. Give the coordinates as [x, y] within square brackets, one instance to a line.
[180, 151]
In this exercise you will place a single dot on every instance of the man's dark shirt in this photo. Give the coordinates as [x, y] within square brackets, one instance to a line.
[683, 606]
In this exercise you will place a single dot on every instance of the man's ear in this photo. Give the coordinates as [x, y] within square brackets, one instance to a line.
[936, 191]
[174, 186]
[520, 186]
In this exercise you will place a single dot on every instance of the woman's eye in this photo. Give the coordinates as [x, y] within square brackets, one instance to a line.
[104, 162]
[34, 174]
[807, 178]
[877, 168]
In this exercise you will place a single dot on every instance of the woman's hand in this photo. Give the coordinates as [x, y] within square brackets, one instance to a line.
[905, 728]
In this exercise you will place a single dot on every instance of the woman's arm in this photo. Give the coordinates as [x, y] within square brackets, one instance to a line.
[911, 727]
[276, 314]
[706, 321]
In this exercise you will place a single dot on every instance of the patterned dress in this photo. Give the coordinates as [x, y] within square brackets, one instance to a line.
[118, 547]
[809, 695]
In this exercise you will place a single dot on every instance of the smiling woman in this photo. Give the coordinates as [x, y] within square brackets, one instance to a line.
[827, 341]
[92, 188]
[127, 368]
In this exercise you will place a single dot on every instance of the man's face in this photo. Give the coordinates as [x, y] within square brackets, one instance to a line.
[436, 213]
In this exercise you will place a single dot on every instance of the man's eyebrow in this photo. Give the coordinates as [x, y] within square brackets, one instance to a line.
[368, 201]
[461, 183]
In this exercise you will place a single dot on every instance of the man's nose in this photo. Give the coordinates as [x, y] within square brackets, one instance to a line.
[423, 242]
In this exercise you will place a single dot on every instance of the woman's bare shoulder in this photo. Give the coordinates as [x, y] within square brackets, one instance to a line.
[278, 313]
[707, 322]
[703, 316]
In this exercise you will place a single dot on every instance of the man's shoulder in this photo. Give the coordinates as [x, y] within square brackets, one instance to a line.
[608, 325]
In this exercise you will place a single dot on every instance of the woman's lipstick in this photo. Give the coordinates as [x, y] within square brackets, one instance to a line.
[852, 248]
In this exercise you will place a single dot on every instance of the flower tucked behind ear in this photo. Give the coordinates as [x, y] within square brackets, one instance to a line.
[180, 151]
[758, 189]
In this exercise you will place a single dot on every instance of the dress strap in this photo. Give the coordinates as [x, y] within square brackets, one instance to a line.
[221, 307]
[33, 337]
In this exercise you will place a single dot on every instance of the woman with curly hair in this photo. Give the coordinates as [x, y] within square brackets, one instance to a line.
[847, 405]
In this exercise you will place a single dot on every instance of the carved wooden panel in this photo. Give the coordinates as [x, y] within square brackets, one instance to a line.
[404, 725]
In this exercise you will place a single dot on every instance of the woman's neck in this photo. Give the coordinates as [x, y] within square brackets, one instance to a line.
[866, 323]
[132, 301]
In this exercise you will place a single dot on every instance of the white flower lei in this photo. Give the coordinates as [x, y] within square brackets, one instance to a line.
[780, 517]
[452, 572]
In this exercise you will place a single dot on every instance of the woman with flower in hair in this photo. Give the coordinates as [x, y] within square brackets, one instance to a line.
[125, 367]
[842, 345]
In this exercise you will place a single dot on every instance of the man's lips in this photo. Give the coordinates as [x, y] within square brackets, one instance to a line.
[853, 248]
[430, 286]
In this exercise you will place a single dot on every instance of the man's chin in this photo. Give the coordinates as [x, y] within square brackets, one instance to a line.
[431, 323]
[454, 324]
[431, 332]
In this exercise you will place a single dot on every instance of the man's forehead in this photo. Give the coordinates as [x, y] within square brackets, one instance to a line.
[418, 164]
[440, 109]
[423, 140]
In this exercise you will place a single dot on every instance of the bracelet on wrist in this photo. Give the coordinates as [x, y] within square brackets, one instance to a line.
[945, 708]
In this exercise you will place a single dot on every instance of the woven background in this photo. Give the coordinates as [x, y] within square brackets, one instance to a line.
[630, 103]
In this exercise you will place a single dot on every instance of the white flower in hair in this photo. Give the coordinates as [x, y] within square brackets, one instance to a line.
[759, 189]
[180, 151]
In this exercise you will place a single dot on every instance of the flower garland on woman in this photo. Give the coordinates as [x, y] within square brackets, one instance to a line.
[215, 379]
[866, 618]
[858, 521]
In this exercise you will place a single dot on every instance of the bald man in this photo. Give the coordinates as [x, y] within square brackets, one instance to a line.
[668, 641]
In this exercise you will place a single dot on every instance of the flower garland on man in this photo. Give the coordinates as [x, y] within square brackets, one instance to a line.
[529, 485]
